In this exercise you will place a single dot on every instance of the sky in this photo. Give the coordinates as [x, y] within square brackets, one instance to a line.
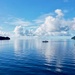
[37, 17]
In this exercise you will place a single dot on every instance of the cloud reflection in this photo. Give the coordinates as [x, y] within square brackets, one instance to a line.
[23, 47]
[55, 52]
[18, 47]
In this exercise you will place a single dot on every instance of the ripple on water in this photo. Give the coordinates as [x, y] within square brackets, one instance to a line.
[32, 57]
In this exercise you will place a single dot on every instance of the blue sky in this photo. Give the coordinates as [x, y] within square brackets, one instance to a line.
[27, 11]
[31, 9]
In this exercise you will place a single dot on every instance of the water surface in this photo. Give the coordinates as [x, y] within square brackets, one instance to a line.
[33, 57]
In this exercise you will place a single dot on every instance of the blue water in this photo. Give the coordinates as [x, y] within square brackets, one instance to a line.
[33, 57]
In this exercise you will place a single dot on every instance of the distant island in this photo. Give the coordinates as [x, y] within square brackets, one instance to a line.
[4, 38]
[73, 37]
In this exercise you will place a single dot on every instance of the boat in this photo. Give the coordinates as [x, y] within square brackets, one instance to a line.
[45, 41]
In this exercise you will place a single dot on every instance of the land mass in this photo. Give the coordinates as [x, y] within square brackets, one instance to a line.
[73, 37]
[4, 38]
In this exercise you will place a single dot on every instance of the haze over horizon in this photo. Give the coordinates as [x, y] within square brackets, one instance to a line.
[37, 17]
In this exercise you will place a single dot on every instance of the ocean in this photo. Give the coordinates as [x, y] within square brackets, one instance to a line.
[31, 56]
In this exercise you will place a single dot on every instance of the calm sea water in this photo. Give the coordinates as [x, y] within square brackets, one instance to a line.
[33, 57]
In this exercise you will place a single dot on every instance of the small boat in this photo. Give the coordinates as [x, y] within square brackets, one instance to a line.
[45, 41]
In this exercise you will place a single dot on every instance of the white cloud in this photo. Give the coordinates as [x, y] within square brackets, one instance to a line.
[59, 12]
[19, 30]
[53, 25]
[3, 33]
[48, 24]
[41, 19]
[24, 31]
[17, 21]
[19, 24]
[56, 25]
[73, 24]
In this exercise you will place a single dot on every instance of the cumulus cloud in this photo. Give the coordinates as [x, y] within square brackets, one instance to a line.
[42, 18]
[19, 30]
[56, 25]
[19, 25]
[59, 12]
[52, 24]
[24, 31]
